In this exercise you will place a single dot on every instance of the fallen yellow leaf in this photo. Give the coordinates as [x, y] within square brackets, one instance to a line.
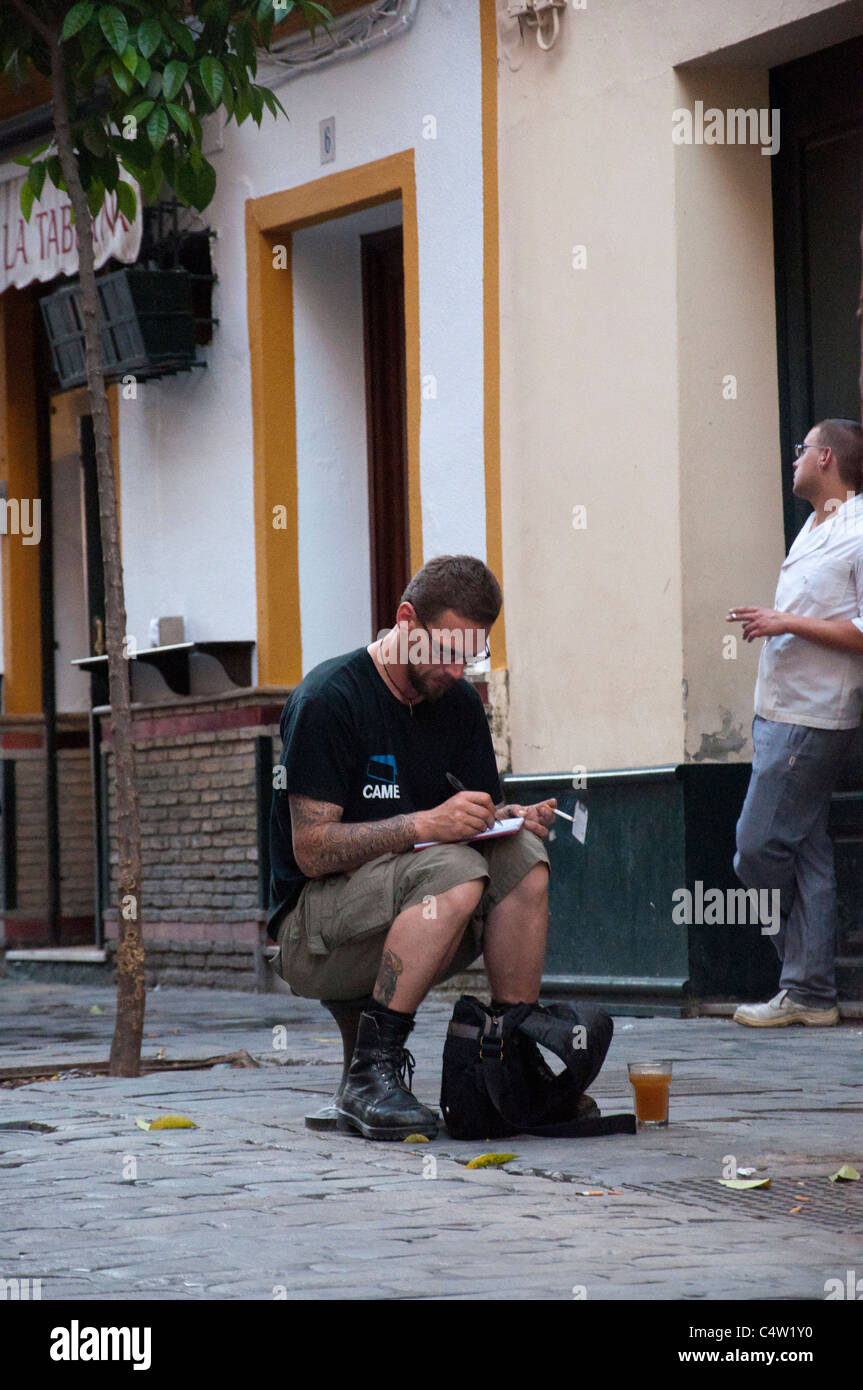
[490, 1160]
[167, 1122]
[741, 1184]
[416, 1139]
[794, 1211]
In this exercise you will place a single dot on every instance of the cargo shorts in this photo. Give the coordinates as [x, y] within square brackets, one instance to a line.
[331, 942]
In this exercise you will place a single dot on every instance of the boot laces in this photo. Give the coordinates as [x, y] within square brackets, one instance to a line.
[397, 1068]
[406, 1066]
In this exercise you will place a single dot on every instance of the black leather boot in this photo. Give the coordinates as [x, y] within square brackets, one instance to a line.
[346, 1013]
[375, 1101]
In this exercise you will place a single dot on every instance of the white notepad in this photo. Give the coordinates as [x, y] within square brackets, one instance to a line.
[503, 827]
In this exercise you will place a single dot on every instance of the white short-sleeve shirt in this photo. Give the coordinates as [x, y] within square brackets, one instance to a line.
[801, 682]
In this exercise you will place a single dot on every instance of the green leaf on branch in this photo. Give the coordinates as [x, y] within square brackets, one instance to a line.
[173, 78]
[241, 103]
[94, 138]
[55, 172]
[95, 197]
[130, 59]
[180, 116]
[195, 181]
[213, 77]
[121, 76]
[140, 112]
[143, 72]
[26, 200]
[180, 34]
[154, 85]
[184, 182]
[36, 179]
[149, 36]
[313, 12]
[157, 127]
[206, 186]
[78, 16]
[256, 102]
[274, 106]
[109, 170]
[113, 25]
[127, 203]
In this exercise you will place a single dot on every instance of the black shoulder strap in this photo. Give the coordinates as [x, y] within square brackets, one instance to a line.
[493, 1071]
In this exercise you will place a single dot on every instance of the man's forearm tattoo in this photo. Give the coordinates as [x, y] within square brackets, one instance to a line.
[338, 847]
[356, 843]
[388, 977]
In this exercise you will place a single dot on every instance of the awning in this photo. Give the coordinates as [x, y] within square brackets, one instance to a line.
[47, 245]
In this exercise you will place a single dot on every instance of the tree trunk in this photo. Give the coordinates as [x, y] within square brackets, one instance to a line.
[126, 1045]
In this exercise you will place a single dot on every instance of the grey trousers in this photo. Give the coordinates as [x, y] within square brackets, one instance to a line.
[782, 842]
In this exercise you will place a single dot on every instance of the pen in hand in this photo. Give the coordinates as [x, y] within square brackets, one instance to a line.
[460, 787]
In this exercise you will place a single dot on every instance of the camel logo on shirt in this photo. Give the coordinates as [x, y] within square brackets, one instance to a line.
[381, 768]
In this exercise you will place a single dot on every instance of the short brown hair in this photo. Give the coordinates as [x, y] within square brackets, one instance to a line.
[845, 439]
[461, 583]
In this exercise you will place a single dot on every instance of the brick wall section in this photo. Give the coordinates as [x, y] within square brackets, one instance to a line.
[31, 835]
[22, 742]
[77, 852]
[202, 918]
[198, 826]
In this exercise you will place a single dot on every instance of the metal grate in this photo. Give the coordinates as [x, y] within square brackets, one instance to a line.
[835, 1204]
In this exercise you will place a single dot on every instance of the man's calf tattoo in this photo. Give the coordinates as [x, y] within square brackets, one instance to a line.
[388, 977]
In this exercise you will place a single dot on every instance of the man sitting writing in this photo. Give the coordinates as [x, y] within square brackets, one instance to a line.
[368, 741]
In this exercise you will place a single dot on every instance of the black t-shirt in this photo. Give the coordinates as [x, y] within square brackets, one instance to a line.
[348, 740]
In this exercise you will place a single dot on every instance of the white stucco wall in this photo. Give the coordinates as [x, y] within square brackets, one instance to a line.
[186, 442]
[612, 372]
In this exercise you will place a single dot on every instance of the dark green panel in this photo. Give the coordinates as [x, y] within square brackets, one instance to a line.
[728, 961]
[610, 898]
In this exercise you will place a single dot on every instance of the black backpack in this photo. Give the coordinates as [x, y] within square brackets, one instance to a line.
[496, 1082]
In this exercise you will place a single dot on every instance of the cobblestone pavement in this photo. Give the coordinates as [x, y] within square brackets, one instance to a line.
[252, 1205]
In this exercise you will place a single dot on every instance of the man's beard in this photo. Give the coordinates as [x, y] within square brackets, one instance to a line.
[429, 689]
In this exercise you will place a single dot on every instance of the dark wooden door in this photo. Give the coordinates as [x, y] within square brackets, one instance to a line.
[818, 204]
[384, 337]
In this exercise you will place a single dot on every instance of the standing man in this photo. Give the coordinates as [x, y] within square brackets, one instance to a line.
[370, 741]
[807, 705]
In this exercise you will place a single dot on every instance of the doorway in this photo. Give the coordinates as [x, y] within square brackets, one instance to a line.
[818, 206]
[386, 421]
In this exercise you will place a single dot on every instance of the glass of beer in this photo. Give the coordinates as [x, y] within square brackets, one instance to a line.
[650, 1082]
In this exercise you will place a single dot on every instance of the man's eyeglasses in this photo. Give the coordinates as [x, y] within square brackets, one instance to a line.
[800, 449]
[445, 654]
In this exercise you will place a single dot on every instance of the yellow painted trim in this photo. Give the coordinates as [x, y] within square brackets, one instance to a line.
[270, 223]
[491, 316]
[22, 677]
